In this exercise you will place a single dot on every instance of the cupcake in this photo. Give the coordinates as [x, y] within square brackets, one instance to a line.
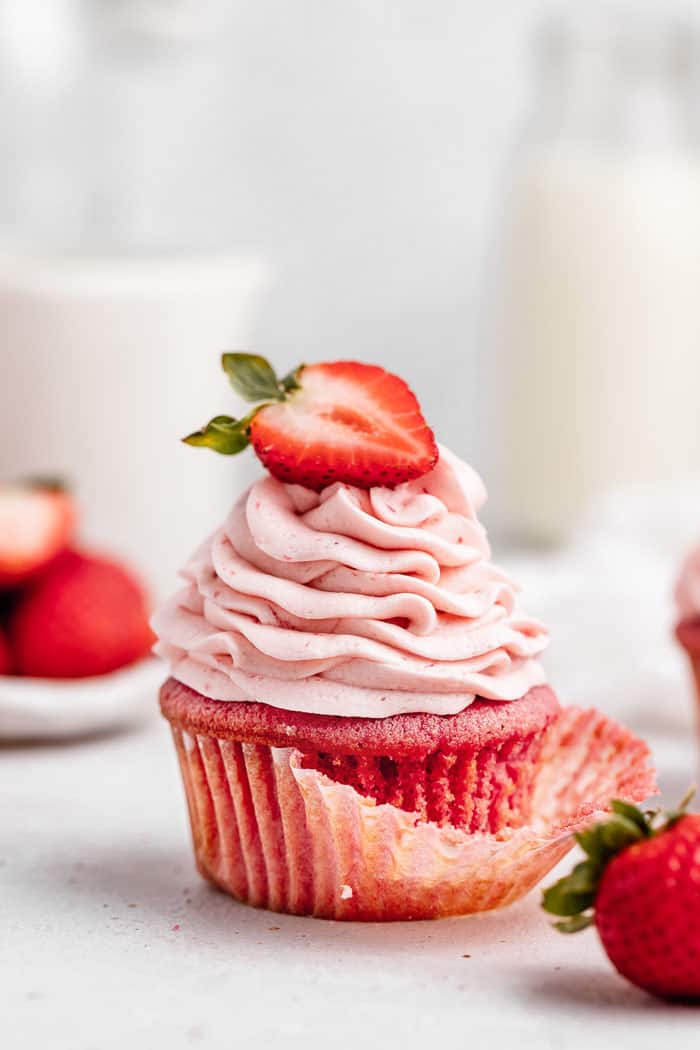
[362, 722]
[687, 596]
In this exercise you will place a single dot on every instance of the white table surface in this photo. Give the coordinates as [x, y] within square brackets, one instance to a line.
[109, 939]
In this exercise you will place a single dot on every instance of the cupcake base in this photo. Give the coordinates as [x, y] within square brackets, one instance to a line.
[473, 770]
[274, 830]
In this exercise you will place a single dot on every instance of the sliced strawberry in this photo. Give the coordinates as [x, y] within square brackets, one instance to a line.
[342, 421]
[36, 523]
[347, 422]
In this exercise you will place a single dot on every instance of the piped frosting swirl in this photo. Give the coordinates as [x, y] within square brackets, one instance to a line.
[353, 602]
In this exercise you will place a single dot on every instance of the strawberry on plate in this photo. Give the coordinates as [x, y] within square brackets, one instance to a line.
[5, 655]
[342, 421]
[36, 524]
[87, 615]
[640, 886]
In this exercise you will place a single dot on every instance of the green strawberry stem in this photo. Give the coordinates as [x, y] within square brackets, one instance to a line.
[255, 380]
[573, 897]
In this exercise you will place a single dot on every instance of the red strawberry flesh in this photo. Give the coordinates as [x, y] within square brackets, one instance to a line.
[349, 422]
[35, 526]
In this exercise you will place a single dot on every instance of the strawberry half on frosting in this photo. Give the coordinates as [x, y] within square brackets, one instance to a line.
[336, 422]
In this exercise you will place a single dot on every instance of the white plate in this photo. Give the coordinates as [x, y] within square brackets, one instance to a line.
[54, 709]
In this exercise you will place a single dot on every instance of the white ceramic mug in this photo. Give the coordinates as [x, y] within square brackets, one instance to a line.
[104, 365]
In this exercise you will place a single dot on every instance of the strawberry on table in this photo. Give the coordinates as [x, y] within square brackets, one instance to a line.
[640, 886]
[36, 524]
[87, 615]
[342, 421]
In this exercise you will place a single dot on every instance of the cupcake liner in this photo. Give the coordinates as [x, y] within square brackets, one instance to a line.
[277, 835]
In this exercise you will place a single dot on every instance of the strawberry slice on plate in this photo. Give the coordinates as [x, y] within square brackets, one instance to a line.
[340, 421]
[36, 524]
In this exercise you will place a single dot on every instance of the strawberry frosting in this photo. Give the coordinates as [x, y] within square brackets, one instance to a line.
[352, 602]
[687, 591]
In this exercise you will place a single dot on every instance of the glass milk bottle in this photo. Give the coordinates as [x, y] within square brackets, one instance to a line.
[599, 308]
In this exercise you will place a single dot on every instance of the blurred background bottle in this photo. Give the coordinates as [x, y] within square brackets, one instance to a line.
[119, 282]
[598, 368]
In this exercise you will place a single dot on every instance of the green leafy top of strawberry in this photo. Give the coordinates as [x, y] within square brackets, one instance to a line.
[573, 896]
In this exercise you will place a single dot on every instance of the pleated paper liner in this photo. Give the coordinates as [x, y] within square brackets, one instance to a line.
[280, 836]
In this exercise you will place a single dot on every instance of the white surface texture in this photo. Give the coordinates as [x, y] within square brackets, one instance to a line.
[364, 148]
[111, 939]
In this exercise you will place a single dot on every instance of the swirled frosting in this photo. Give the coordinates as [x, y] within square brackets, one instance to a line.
[687, 592]
[352, 602]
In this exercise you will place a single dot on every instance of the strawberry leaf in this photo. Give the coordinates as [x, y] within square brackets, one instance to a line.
[223, 434]
[603, 841]
[291, 380]
[573, 893]
[584, 877]
[252, 377]
[633, 814]
[619, 833]
[575, 923]
[589, 841]
[559, 899]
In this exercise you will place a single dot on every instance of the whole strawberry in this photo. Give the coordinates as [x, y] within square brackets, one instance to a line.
[86, 615]
[640, 885]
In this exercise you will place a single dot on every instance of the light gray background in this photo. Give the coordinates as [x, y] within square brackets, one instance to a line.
[363, 146]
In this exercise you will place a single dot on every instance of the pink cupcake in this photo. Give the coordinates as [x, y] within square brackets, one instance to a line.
[688, 609]
[362, 722]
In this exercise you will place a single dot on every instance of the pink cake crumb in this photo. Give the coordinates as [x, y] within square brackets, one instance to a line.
[473, 770]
